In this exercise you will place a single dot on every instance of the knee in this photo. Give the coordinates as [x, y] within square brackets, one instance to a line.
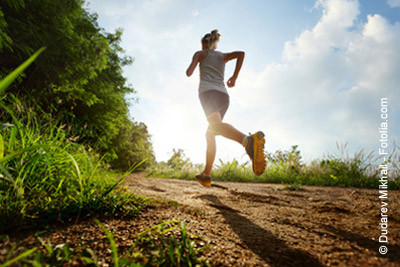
[214, 127]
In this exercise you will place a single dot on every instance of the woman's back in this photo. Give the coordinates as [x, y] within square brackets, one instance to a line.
[212, 69]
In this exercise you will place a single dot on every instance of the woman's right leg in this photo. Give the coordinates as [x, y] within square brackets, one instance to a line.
[218, 127]
[215, 105]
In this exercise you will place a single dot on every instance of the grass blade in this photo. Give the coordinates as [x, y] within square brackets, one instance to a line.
[1, 146]
[7, 174]
[13, 75]
[16, 153]
[112, 242]
[20, 256]
[156, 226]
[134, 166]
[119, 181]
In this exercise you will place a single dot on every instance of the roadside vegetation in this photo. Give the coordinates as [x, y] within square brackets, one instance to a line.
[66, 141]
[47, 177]
[287, 167]
[166, 244]
[77, 81]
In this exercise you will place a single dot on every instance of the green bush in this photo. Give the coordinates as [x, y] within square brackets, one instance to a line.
[178, 166]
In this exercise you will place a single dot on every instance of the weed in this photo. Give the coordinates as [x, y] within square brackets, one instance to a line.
[166, 244]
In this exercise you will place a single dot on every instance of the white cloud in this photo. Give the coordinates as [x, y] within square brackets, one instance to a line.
[394, 3]
[330, 32]
[329, 84]
[195, 13]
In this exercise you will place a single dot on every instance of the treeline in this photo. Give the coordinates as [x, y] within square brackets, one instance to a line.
[77, 80]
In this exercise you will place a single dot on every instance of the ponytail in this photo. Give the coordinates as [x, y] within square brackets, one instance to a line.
[210, 39]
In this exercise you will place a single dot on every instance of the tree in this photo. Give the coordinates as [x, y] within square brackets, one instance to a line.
[78, 78]
[133, 145]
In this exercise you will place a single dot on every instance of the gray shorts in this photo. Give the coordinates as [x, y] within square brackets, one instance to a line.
[214, 101]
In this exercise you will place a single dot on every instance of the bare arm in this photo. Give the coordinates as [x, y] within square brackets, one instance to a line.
[197, 57]
[239, 56]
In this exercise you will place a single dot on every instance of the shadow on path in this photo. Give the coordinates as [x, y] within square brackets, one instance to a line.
[262, 242]
[393, 253]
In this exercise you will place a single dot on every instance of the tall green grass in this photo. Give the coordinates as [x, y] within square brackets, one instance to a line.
[287, 167]
[44, 175]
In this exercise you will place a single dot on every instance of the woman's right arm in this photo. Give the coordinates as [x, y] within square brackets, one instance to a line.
[197, 57]
[239, 55]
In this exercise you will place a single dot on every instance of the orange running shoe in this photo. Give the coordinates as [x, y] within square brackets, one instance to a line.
[203, 180]
[255, 150]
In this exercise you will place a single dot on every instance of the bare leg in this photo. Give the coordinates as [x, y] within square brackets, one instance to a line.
[226, 130]
[217, 127]
[211, 151]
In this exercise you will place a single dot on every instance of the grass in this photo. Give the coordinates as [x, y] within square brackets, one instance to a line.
[44, 175]
[47, 177]
[18, 71]
[164, 247]
[166, 244]
[286, 167]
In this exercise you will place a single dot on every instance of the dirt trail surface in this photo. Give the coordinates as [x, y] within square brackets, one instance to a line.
[270, 225]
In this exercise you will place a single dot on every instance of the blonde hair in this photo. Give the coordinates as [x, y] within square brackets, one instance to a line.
[210, 39]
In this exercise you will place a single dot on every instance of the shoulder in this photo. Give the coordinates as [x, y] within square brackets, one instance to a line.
[233, 55]
[200, 55]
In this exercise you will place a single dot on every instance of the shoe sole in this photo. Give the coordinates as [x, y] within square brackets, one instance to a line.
[203, 183]
[259, 161]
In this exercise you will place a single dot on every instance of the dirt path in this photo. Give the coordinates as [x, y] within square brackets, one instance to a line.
[268, 225]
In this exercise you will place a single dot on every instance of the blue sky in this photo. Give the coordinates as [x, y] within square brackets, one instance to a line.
[313, 75]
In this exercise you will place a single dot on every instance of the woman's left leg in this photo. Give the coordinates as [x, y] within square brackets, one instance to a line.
[217, 127]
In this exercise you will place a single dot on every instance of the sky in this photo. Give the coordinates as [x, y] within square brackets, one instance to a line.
[313, 75]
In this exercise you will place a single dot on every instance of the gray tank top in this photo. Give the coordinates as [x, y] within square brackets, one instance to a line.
[212, 69]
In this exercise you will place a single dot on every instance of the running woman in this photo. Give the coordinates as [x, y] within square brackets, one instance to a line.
[214, 99]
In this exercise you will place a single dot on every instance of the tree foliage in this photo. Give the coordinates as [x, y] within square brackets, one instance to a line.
[78, 78]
